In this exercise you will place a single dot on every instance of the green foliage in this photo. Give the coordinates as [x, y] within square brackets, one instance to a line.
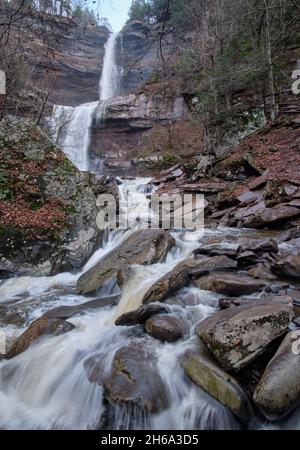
[140, 10]
[149, 11]
[85, 15]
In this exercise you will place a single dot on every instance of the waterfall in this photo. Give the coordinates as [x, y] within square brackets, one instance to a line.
[109, 82]
[72, 125]
[47, 385]
[72, 131]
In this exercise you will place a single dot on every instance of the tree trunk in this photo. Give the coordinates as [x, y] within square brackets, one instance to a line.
[270, 63]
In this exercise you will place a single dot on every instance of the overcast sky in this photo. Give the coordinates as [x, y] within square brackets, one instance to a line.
[116, 11]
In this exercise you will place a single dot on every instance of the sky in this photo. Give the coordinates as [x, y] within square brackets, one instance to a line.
[116, 12]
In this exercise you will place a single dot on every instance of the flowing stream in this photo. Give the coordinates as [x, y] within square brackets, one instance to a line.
[47, 386]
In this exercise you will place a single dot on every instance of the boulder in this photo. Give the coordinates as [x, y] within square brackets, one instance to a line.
[65, 312]
[278, 391]
[40, 327]
[259, 246]
[202, 369]
[165, 286]
[166, 328]
[259, 182]
[48, 208]
[270, 216]
[206, 187]
[229, 302]
[288, 266]
[248, 258]
[262, 270]
[133, 379]
[217, 250]
[230, 284]
[142, 247]
[197, 267]
[140, 315]
[236, 336]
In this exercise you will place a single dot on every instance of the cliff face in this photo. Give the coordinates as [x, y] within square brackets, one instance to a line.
[74, 57]
[63, 62]
[77, 62]
[137, 55]
[132, 131]
[70, 58]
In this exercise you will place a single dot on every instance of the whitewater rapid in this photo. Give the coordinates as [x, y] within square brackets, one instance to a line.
[47, 387]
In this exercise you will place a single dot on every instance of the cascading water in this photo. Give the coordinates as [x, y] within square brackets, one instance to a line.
[47, 385]
[109, 82]
[72, 131]
[72, 124]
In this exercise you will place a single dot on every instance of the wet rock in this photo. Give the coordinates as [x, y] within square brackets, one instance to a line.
[202, 369]
[288, 266]
[166, 328]
[40, 327]
[262, 271]
[140, 315]
[230, 284]
[270, 216]
[165, 286]
[236, 336]
[278, 391]
[259, 246]
[142, 247]
[229, 302]
[247, 258]
[65, 312]
[133, 379]
[196, 267]
[217, 250]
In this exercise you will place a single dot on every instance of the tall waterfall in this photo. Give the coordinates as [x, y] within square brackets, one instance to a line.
[72, 124]
[109, 82]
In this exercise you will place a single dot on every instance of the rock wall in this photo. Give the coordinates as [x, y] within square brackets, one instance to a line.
[137, 55]
[118, 133]
[66, 58]
[47, 207]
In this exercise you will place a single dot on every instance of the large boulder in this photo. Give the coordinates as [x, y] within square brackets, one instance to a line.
[217, 249]
[140, 315]
[288, 266]
[65, 312]
[270, 216]
[166, 328]
[230, 284]
[278, 391]
[165, 286]
[142, 247]
[48, 208]
[133, 379]
[236, 336]
[202, 369]
[197, 267]
[40, 327]
[259, 246]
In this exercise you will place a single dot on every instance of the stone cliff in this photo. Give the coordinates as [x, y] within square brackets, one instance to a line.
[74, 56]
